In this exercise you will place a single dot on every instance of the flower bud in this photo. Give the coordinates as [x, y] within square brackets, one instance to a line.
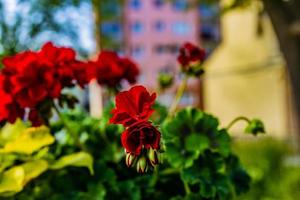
[130, 159]
[255, 127]
[165, 80]
[141, 165]
[153, 157]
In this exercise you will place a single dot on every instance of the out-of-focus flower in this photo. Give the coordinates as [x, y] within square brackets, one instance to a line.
[190, 58]
[132, 106]
[29, 79]
[110, 69]
[165, 80]
[131, 71]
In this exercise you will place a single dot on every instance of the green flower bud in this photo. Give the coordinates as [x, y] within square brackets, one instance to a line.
[195, 69]
[130, 159]
[153, 157]
[255, 126]
[165, 80]
[141, 165]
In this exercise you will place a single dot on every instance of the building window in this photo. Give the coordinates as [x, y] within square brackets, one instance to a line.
[159, 49]
[137, 52]
[181, 28]
[137, 27]
[180, 5]
[166, 48]
[159, 26]
[135, 4]
[158, 3]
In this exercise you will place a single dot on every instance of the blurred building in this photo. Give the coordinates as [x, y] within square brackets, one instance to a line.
[246, 74]
[154, 32]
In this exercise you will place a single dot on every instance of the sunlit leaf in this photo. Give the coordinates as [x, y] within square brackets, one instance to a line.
[29, 141]
[14, 179]
[11, 181]
[80, 159]
[33, 169]
[11, 131]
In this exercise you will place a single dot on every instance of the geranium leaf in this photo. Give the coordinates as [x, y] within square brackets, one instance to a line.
[80, 159]
[196, 142]
[14, 179]
[29, 141]
[11, 131]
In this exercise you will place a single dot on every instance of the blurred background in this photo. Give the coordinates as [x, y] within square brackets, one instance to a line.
[252, 67]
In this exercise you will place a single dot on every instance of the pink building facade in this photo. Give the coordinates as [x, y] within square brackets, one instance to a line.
[154, 31]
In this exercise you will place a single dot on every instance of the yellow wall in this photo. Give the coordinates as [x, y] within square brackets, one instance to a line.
[246, 74]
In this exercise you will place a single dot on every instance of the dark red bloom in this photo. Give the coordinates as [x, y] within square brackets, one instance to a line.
[67, 68]
[190, 53]
[29, 79]
[110, 69]
[131, 71]
[132, 106]
[140, 135]
[9, 109]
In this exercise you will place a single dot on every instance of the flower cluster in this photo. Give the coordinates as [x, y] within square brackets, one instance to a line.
[29, 79]
[140, 139]
[190, 58]
[115, 69]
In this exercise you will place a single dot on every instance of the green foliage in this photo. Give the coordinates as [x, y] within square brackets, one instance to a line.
[273, 167]
[25, 156]
[198, 162]
[200, 150]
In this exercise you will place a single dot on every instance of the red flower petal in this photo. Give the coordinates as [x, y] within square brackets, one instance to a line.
[133, 105]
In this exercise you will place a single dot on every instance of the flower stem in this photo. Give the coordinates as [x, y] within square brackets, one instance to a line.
[240, 118]
[178, 96]
[68, 128]
[169, 171]
[186, 187]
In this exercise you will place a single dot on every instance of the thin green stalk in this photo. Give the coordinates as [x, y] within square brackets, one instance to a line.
[169, 171]
[186, 187]
[178, 96]
[154, 178]
[240, 118]
[69, 129]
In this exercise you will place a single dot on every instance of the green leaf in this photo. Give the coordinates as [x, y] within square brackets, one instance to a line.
[29, 141]
[33, 169]
[6, 160]
[223, 143]
[207, 189]
[11, 131]
[14, 179]
[80, 159]
[196, 142]
[11, 181]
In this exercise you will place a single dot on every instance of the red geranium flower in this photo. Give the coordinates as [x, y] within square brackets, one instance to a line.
[132, 106]
[131, 71]
[190, 53]
[29, 79]
[67, 68]
[110, 69]
[140, 135]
